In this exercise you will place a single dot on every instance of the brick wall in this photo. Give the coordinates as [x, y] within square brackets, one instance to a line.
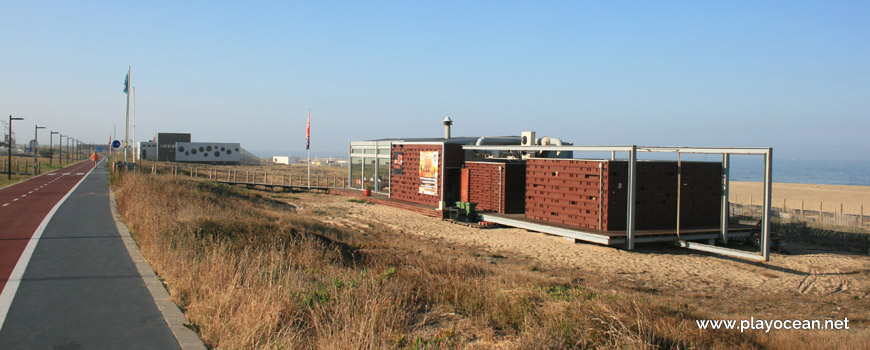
[497, 187]
[406, 187]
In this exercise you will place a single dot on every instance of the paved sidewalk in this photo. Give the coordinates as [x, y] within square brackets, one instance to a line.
[81, 289]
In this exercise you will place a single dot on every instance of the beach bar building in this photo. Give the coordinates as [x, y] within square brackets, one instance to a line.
[539, 185]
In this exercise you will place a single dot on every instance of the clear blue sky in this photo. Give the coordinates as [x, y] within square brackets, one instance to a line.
[792, 75]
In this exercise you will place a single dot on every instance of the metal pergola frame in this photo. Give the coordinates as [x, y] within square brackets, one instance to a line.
[726, 152]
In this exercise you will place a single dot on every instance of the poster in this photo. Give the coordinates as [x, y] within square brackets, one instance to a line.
[398, 163]
[429, 172]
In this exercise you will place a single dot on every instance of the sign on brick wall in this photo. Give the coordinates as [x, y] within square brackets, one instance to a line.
[429, 172]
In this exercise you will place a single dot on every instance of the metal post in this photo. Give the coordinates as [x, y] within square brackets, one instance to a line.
[50, 146]
[9, 144]
[36, 143]
[765, 225]
[726, 181]
[60, 150]
[632, 187]
[679, 189]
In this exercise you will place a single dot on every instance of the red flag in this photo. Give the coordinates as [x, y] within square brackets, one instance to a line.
[308, 132]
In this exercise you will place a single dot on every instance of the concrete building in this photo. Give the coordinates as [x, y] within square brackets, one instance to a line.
[166, 145]
[208, 152]
[147, 150]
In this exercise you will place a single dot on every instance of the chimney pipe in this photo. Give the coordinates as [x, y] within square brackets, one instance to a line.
[447, 124]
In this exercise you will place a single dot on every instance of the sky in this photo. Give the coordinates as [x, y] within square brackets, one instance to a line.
[792, 75]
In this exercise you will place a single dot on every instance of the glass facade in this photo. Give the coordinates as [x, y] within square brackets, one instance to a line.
[370, 166]
[383, 185]
[355, 173]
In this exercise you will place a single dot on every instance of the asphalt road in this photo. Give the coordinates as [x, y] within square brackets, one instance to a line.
[80, 289]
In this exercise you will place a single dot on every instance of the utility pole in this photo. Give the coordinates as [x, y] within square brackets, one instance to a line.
[9, 173]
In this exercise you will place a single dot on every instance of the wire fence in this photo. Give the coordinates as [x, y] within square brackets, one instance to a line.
[836, 230]
[828, 218]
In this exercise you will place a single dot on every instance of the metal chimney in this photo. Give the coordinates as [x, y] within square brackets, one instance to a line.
[447, 124]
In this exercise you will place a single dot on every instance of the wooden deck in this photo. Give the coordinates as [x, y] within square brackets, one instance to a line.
[611, 238]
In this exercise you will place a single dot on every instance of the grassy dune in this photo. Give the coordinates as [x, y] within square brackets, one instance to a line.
[250, 273]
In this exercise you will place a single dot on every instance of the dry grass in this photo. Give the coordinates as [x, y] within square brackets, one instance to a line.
[252, 274]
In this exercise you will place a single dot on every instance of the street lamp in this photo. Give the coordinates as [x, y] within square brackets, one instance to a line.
[50, 149]
[9, 173]
[60, 149]
[36, 143]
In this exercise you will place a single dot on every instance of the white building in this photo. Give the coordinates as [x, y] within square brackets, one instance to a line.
[208, 152]
[280, 160]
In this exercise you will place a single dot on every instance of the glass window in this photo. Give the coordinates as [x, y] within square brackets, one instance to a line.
[384, 150]
[383, 175]
[369, 173]
[369, 151]
[355, 172]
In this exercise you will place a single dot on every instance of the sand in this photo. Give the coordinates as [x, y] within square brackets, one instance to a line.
[830, 197]
[792, 280]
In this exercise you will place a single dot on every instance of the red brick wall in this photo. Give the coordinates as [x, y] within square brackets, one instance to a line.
[565, 192]
[406, 187]
[485, 184]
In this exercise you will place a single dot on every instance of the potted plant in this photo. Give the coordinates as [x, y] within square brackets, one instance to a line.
[368, 190]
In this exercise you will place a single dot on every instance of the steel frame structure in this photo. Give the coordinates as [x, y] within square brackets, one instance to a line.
[726, 152]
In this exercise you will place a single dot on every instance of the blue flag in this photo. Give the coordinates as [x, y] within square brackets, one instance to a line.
[125, 82]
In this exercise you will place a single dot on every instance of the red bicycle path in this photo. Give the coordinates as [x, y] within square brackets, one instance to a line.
[24, 205]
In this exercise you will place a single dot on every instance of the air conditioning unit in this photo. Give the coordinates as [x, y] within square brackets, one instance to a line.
[528, 138]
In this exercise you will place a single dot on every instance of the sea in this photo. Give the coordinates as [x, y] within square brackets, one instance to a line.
[751, 168]
[827, 172]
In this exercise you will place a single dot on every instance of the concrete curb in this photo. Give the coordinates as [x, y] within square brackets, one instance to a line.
[186, 337]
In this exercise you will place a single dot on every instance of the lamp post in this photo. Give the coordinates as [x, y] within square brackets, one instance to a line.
[50, 149]
[36, 143]
[60, 150]
[9, 173]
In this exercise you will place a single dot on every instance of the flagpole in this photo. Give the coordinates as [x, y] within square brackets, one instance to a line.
[135, 151]
[127, 125]
[308, 147]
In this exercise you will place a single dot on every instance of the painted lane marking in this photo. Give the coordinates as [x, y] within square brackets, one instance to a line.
[15, 199]
[80, 173]
[23, 195]
[5, 204]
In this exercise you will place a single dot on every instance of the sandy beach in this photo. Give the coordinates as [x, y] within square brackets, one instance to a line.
[784, 285]
[829, 197]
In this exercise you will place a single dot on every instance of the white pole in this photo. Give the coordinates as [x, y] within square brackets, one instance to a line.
[127, 125]
[135, 149]
[309, 149]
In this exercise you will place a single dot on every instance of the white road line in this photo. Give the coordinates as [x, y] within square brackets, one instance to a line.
[23, 195]
[15, 199]
[5, 204]
[8, 293]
